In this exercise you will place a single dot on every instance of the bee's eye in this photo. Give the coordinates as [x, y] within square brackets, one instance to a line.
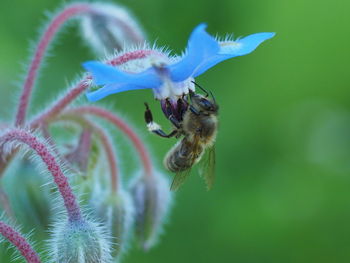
[206, 104]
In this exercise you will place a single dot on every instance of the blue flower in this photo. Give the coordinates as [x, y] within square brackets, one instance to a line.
[172, 80]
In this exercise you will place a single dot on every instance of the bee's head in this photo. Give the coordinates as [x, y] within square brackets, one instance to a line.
[203, 103]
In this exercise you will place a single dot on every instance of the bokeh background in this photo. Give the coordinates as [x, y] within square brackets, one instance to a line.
[283, 148]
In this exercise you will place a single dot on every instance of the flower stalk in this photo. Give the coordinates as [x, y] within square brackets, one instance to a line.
[67, 13]
[111, 156]
[74, 92]
[123, 126]
[25, 137]
[62, 103]
[19, 242]
[105, 141]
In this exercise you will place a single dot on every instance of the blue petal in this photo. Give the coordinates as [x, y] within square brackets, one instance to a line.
[118, 81]
[246, 45]
[105, 74]
[102, 74]
[239, 47]
[108, 90]
[201, 47]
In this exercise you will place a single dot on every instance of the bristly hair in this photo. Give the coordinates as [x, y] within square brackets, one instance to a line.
[101, 237]
[16, 255]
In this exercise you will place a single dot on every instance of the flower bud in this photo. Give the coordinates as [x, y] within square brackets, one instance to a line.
[110, 27]
[120, 220]
[80, 242]
[21, 186]
[152, 199]
[116, 210]
[79, 156]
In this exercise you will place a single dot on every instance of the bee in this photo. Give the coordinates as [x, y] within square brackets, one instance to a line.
[195, 120]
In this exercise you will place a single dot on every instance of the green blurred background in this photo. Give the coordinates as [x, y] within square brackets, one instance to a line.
[283, 148]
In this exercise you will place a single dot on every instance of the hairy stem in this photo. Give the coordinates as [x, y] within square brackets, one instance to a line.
[74, 92]
[67, 13]
[62, 103]
[111, 156]
[19, 242]
[123, 126]
[106, 144]
[22, 136]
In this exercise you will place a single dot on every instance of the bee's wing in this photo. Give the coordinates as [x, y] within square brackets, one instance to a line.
[207, 169]
[179, 179]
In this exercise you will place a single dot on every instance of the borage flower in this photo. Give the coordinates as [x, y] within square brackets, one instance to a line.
[171, 78]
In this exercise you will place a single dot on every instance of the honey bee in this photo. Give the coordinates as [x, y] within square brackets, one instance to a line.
[195, 120]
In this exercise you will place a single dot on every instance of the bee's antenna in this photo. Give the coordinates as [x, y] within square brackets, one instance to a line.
[202, 89]
[191, 93]
[211, 94]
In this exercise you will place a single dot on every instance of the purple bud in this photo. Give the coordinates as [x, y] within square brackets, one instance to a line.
[110, 27]
[80, 242]
[152, 199]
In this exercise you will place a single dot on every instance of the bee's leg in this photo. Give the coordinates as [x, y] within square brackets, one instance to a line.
[193, 109]
[154, 127]
[182, 106]
[148, 114]
[174, 121]
[171, 116]
[161, 133]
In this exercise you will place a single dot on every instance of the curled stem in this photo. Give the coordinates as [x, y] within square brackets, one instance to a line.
[111, 156]
[67, 13]
[19, 242]
[72, 94]
[106, 144]
[62, 103]
[25, 137]
[123, 126]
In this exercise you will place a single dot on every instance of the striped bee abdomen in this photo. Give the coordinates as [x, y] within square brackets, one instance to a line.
[182, 156]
